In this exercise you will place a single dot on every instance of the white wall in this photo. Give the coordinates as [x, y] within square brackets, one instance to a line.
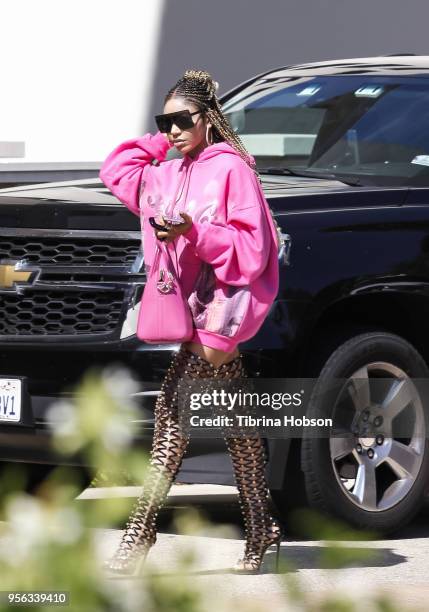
[76, 74]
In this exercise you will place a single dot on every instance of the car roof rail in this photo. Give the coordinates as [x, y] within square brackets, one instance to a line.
[393, 54]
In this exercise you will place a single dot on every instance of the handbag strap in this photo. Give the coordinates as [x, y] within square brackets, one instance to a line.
[161, 246]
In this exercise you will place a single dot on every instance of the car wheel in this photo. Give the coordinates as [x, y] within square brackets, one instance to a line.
[371, 482]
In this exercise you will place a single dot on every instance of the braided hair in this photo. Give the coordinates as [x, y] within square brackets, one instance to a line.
[198, 87]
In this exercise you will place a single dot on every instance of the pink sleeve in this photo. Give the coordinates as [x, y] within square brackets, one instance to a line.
[239, 249]
[124, 168]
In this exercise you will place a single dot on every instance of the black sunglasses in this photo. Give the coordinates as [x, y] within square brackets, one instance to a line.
[183, 120]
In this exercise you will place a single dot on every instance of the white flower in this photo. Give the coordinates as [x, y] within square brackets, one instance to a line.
[25, 517]
[64, 525]
[33, 525]
[117, 432]
[119, 382]
[62, 418]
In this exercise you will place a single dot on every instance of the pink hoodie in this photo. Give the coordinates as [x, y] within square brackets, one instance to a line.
[228, 261]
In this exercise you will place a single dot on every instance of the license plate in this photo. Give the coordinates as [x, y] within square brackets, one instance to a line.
[10, 399]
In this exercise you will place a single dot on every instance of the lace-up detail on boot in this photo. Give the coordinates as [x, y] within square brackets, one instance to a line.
[249, 459]
[168, 448]
[262, 529]
[248, 455]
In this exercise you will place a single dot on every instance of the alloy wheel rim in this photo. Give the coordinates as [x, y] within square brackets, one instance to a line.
[377, 470]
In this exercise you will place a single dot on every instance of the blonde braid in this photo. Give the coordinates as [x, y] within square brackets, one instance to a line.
[198, 87]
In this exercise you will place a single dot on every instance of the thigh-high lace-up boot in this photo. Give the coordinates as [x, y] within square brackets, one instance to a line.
[249, 459]
[248, 455]
[168, 447]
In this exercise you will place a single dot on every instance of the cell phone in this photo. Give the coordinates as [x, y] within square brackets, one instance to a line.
[156, 225]
[174, 220]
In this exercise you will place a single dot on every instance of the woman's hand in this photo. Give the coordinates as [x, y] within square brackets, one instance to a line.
[173, 231]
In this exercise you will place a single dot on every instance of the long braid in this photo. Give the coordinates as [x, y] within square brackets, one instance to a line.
[198, 87]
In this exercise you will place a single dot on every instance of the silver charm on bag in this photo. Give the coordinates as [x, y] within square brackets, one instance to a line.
[165, 283]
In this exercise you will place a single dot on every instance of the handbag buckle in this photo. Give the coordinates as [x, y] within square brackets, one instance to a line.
[165, 283]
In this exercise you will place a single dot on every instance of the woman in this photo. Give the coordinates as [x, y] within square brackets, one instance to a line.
[227, 252]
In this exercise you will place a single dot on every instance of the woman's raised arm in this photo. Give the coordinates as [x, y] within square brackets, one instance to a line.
[125, 167]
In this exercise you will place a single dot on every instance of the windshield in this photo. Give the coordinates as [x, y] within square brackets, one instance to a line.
[375, 128]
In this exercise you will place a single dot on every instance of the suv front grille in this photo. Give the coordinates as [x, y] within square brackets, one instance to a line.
[60, 312]
[86, 284]
[66, 251]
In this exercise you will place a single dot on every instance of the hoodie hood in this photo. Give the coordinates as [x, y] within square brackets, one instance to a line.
[215, 149]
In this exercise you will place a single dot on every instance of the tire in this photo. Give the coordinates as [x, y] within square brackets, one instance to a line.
[292, 497]
[334, 481]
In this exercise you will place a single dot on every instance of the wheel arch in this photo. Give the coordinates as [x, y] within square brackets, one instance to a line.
[344, 318]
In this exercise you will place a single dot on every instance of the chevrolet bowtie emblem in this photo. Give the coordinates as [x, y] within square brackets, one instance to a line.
[16, 275]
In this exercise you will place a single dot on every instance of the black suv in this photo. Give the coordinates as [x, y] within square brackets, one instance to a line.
[343, 151]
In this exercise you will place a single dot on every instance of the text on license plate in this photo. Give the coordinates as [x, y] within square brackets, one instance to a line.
[10, 399]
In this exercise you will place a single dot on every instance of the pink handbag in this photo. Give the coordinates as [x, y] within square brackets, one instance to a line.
[164, 315]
